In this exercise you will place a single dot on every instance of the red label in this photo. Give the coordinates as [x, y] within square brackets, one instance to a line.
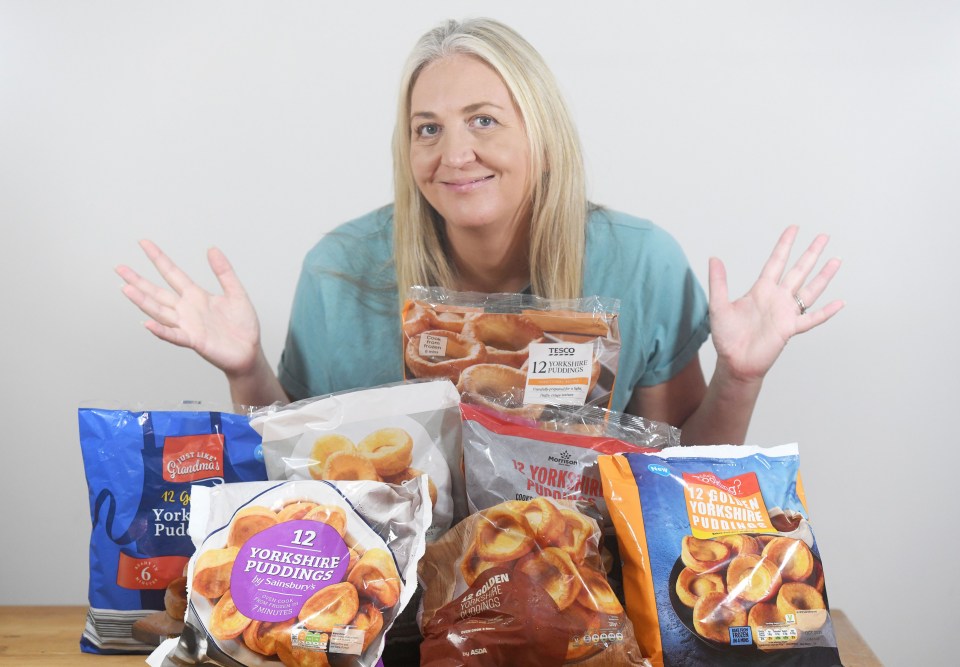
[189, 458]
[149, 573]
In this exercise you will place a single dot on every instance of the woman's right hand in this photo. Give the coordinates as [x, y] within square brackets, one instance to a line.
[221, 328]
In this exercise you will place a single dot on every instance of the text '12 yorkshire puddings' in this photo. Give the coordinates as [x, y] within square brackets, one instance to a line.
[523, 583]
[515, 353]
[720, 537]
[292, 573]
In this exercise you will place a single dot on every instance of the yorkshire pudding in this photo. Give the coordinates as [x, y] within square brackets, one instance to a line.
[703, 555]
[503, 534]
[552, 570]
[389, 449]
[795, 597]
[460, 353]
[499, 387]
[248, 522]
[211, 572]
[741, 544]
[792, 557]
[376, 578]
[691, 586]
[422, 318]
[762, 615]
[473, 565]
[323, 447]
[545, 519]
[577, 532]
[506, 336]
[714, 614]
[226, 622]
[349, 466]
[752, 578]
[330, 606]
[295, 511]
[596, 593]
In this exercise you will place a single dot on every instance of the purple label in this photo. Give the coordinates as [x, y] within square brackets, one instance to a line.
[278, 569]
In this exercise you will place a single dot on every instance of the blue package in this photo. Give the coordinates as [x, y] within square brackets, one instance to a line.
[139, 467]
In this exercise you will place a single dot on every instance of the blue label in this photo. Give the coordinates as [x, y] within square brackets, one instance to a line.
[659, 469]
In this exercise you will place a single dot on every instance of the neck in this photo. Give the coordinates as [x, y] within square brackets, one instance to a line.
[490, 260]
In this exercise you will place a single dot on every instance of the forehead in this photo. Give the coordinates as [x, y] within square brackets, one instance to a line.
[457, 81]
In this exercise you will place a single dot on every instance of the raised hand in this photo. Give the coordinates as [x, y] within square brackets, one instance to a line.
[751, 332]
[221, 328]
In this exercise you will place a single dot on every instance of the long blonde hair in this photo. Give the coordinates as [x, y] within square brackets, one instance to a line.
[558, 191]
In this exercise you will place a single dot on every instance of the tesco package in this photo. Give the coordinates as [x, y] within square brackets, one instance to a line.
[720, 562]
[139, 466]
[299, 572]
[517, 353]
[511, 459]
[390, 433]
[522, 583]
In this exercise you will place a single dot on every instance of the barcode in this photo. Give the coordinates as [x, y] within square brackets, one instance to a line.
[740, 636]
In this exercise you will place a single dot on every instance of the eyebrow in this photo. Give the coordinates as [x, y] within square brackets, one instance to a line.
[470, 108]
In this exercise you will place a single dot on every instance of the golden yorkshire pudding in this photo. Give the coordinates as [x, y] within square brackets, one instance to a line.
[389, 449]
[741, 544]
[703, 555]
[691, 586]
[370, 620]
[323, 447]
[211, 573]
[296, 510]
[422, 318]
[762, 615]
[330, 606]
[714, 614]
[544, 518]
[376, 578]
[459, 353]
[349, 466]
[499, 387]
[502, 534]
[752, 578]
[596, 593]
[473, 565]
[175, 598]
[226, 622]
[332, 515]
[408, 474]
[792, 557]
[554, 572]
[506, 336]
[578, 530]
[794, 597]
[816, 578]
[262, 636]
[248, 522]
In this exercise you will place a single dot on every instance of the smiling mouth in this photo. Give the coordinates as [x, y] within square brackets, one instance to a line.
[468, 183]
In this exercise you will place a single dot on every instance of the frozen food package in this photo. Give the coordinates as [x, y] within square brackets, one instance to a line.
[139, 466]
[299, 572]
[390, 433]
[522, 583]
[720, 563]
[512, 459]
[517, 353]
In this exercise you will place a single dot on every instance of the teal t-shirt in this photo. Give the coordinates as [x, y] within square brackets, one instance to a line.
[345, 323]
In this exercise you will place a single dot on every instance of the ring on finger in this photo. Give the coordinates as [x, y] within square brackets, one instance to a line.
[803, 308]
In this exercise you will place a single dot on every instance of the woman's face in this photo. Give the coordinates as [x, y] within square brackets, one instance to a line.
[468, 145]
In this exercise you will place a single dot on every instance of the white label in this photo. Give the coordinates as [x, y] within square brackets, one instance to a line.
[559, 373]
[433, 346]
[347, 640]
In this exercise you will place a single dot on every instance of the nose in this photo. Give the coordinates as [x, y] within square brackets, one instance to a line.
[457, 149]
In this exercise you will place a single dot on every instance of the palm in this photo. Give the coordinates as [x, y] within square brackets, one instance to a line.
[751, 332]
[222, 328]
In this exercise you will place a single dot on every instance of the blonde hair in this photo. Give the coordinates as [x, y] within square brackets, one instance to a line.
[558, 191]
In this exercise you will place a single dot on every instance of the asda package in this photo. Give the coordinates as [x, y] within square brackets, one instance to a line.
[391, 433]
[140, 465]
[522, 583]
[720, 563]
[510, 459]
[516, 353]
[299, 572]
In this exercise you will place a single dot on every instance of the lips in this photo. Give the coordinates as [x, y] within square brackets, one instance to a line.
[466, 184]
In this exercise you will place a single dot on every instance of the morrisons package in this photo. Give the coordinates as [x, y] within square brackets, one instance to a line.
[140, 465]
[720, 564]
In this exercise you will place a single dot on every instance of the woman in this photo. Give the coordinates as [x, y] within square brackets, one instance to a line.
[489, 196]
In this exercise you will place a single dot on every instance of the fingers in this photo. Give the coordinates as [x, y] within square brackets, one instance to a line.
[777, 261]
[797, 275]
[810, 292]
[137, 281]
[814, 318]
[149, 306]
[176, 278]
[223, 270]
[169, 334]
[717, 275]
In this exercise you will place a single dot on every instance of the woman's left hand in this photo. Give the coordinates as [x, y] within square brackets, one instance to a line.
[751, 332]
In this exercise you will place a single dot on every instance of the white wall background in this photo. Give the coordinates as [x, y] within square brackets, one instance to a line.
[259, 126]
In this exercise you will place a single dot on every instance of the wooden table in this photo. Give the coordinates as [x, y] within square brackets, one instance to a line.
[50, 636]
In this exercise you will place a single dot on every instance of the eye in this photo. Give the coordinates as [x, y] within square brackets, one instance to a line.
[483, 122]
[427, 130]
